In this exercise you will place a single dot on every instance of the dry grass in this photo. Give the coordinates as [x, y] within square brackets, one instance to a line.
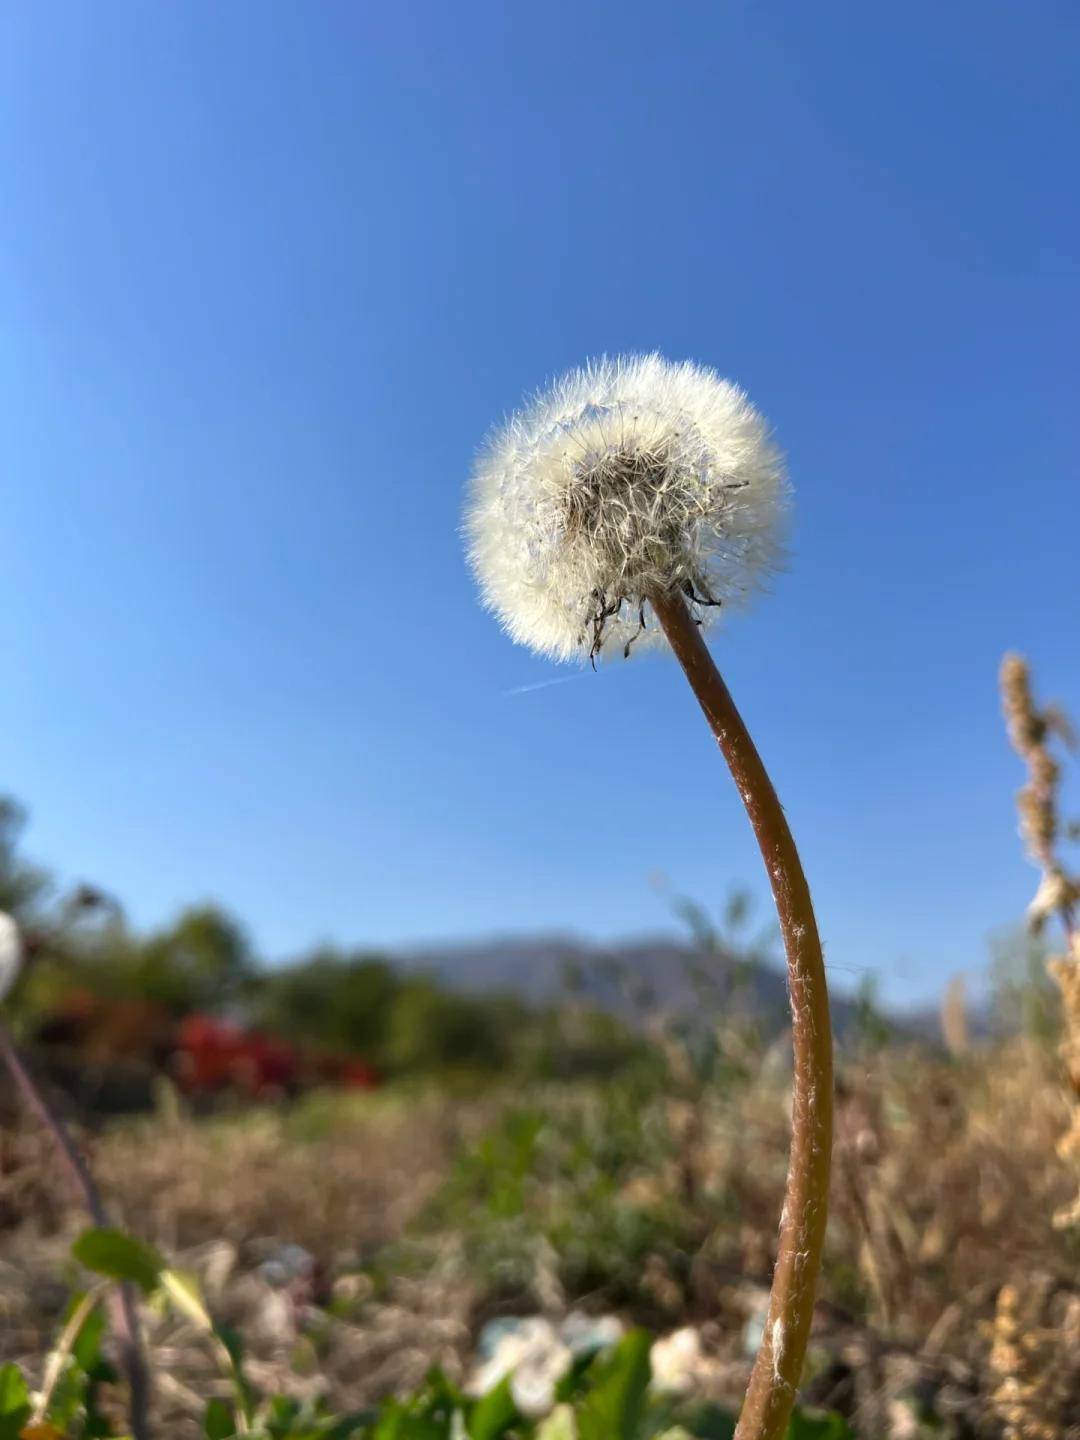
[943, 1192]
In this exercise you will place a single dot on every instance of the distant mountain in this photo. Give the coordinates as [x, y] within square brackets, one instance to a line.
[649, 974]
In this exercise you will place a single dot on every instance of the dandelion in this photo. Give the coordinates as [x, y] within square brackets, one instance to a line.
[626, 507]
[10, 953]
[627, 479]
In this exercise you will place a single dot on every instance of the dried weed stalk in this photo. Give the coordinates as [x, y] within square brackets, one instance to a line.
[1031, 729]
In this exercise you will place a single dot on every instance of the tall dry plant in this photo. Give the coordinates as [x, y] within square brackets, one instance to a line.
[1031, 730]
[1035, 1339]
[637, 491]
[123, 1304]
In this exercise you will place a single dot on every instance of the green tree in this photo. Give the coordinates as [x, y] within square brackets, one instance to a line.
[433, 1028]
[340, 1001]
[22, 886]
[201, 962]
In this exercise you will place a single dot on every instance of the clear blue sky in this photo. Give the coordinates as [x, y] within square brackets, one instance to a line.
[269, 271]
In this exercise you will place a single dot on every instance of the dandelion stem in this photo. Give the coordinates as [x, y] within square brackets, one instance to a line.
[778, 1367]
[125, 1316]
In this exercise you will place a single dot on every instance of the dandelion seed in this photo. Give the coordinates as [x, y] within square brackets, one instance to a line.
[538, 685]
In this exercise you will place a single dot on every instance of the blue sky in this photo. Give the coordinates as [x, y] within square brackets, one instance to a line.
[268, 272]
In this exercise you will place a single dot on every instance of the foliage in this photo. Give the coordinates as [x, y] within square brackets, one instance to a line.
[653, 1190]
[593, 1182]
[573, 1180]
[870, 1027]
[341, 1000]
[403, 1023]
[202, 961]
[728, 957]
[119, 1256]
[1025, 999]
[22, 885]
[606, 1395]
[75, 1374]
[330, 1001]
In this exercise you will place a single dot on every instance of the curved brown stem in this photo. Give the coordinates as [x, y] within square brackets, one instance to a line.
[777, 1369]
[125, 1314]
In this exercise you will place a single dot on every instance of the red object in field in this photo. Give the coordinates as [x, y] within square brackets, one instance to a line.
[357, 1075]
[204, 1054]
[214, 1055]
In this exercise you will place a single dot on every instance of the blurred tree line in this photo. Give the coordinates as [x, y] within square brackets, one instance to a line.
[336, 1001]
[403, 1021]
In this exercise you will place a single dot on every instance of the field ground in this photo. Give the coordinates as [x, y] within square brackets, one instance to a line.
[357, 1241]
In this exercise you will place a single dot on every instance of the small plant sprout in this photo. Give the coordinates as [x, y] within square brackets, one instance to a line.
[625, 507]
[125, 1315]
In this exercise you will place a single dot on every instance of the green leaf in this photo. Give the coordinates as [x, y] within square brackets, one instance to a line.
[14, 1395]
[282, 1415]
[183, 1290]
[234, 1345]
[396, 1423]
[120, 1257]
[218, 1422]
[615, 1402]
[86, 1349]
[820, 1426]
[14, 1402]
[493, 1415]
[350, 1426]
[390, 1423]
[575, 1381]
[438, 1396]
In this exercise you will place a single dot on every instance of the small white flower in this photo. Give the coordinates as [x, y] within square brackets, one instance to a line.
[536, 1354]
[10, 953]
[628, 478]
[536, 1358]
[676, 1361]
[584, 1333]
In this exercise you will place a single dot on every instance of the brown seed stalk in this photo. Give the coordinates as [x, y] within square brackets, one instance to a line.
[1031, 728]
[778, 1367]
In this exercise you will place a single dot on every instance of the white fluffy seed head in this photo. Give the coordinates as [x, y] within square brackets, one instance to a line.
[628, 478]
[10, 953]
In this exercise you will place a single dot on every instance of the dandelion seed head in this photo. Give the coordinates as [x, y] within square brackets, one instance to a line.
[628, 478]
[10, 953]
